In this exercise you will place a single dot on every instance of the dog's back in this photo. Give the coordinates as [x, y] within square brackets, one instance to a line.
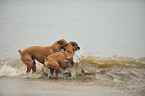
[37, 52]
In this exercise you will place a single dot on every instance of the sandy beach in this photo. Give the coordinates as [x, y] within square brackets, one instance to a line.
[62, 87]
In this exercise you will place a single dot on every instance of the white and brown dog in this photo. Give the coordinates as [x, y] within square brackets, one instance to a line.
[61, 59]
[29, 54]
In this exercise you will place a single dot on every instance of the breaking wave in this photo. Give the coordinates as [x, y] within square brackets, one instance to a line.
[112, 68]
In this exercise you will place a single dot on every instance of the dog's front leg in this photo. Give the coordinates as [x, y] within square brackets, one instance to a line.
[51, 72]
[71, 62]
[57, 70]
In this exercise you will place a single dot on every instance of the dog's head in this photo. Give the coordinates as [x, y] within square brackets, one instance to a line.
[60, 43]
[73, 46]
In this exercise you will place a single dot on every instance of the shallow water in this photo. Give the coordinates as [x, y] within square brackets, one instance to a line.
[121, 76]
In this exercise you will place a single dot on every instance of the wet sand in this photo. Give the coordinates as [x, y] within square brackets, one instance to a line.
[61, 87]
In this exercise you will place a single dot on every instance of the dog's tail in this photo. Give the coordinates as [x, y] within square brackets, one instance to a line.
[19, 51]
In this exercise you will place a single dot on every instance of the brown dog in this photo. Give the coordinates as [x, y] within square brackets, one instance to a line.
[29, 54]
[61, 59]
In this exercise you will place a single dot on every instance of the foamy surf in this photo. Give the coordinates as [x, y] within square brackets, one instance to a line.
[15, 67]
[8, 71]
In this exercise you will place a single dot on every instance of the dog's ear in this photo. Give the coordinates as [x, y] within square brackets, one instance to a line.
[60, 42]
[73, 44]
[67, 44]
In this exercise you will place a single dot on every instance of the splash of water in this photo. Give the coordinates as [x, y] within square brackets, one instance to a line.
[15, 67]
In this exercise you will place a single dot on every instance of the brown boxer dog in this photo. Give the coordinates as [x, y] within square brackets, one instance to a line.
[29, 54]
[61, 59]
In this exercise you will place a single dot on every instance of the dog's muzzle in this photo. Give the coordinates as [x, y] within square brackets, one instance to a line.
[78, 48]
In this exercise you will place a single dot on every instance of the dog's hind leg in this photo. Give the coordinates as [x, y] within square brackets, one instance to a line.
[29, 66]
[51, 72]
[57, 70]
[27, 60]
[34, 67]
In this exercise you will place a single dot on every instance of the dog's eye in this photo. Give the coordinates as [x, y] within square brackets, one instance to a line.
[73, 44]
[60, 42]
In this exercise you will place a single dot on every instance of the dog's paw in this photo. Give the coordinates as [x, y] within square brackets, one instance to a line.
[66, 61]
